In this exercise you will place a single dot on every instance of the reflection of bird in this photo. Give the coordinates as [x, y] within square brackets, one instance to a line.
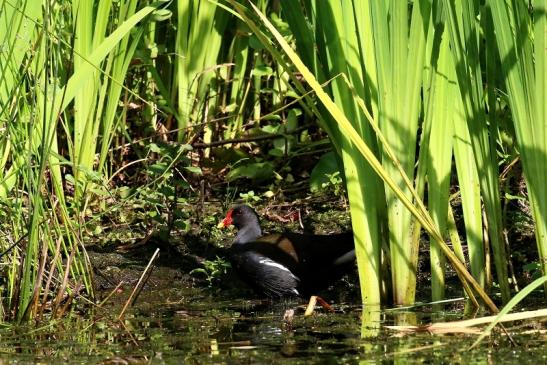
[288, 264]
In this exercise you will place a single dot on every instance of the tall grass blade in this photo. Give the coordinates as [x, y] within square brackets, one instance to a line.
[521, 40]
[463, 27]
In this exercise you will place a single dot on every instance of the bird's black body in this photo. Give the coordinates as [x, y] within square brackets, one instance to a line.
[288, 264]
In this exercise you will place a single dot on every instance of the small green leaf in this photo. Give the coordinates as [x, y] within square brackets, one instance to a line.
[292, 119]
[269, 194]
[230, 108]
[183, 225]
[161, 15]
[275, 117]
[254, 171]
[276, 152]
[125, 192]
[194, 169]
[272, 129]
[185, 147]
[158, 168]
[154, 148]
[327, 165]
[262, 71]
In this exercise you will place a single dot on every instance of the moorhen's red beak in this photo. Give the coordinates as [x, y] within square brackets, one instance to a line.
[227, 221]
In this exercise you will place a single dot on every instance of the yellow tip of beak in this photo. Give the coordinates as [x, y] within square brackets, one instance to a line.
[221, 225]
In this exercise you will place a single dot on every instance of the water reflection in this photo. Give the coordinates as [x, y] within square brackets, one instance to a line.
[238, 331]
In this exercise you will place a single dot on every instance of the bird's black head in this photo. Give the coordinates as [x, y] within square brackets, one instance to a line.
[245, 219]
[240, 216]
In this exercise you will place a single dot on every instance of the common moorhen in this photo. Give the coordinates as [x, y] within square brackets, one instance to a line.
[288, 264]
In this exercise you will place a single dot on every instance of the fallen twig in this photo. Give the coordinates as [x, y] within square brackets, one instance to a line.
[465, 325]
[139, 283]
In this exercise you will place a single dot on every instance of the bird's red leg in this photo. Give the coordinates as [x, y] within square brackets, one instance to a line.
[315, 299]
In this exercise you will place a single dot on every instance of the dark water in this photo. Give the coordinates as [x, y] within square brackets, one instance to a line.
[195, 327]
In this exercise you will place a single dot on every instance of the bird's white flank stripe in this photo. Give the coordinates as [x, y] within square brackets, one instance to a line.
[269, 262]
[272, 263]
[347, 257]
